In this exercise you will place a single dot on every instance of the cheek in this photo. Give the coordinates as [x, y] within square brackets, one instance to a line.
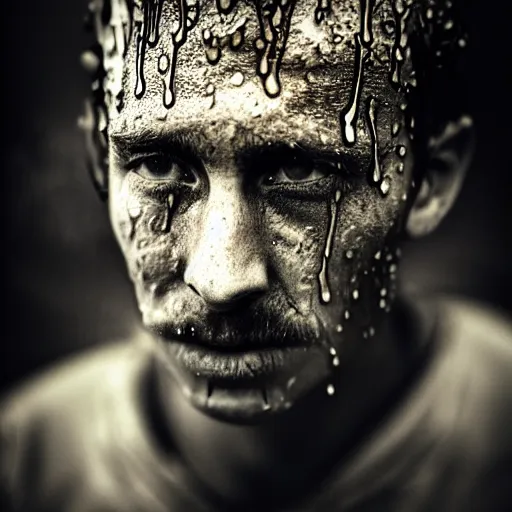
[295, 240]
[334, 256]
[143, 214]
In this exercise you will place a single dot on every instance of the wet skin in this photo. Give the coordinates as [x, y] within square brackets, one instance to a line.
[262, 246]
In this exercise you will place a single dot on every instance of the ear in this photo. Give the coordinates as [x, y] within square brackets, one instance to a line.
[449, 155]
[93, 124]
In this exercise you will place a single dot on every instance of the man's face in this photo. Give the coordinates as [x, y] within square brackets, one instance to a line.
[259, 214]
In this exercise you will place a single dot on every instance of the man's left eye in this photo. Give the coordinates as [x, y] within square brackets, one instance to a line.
[294, 174]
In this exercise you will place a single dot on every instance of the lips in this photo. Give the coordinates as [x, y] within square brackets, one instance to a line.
[236, 365]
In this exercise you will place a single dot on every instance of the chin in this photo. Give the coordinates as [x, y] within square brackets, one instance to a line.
[246, 387]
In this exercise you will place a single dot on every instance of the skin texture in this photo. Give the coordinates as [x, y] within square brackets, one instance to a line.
[269, 229]
[260, 209]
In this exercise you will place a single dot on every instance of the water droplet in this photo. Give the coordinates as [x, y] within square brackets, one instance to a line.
[330, 390]
[237, 79]
[339, 328]
[378, 255]
[383, 292]
[349, 254]
[347, 315]
[355, 294]
[336, 361]
[382, 303]
[392, 268]
[371, 332]
[400, 168]
[272, 86]
[163, 64]
[332, 351]
[395, 129]
[385, 186]
[291, 382]
[210, 89]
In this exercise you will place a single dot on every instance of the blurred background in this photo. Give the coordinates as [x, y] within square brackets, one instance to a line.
[65, 285]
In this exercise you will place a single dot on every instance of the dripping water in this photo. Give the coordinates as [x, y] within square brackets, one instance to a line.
[376, 170]
[363, 41]
[325, 292]
[148, 35]
[274, 19]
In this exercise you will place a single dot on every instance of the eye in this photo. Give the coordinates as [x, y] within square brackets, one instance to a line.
[295, 173]
[165, 168]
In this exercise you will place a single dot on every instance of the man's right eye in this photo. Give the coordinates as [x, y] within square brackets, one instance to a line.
[164, 168]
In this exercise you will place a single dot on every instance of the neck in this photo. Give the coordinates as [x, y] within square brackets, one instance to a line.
[296, 449]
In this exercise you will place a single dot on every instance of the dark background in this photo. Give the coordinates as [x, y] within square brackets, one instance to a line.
[65, 287]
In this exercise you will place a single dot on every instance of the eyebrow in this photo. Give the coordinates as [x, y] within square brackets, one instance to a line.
[189, 144]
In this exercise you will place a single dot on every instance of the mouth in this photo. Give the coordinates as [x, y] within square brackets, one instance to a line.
[242, 385]
[236, 366]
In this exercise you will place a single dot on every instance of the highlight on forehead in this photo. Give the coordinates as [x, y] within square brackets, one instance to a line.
[376, 29]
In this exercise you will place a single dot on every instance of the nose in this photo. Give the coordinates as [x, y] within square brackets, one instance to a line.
[226, 266]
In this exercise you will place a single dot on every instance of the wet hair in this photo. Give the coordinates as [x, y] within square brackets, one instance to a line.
[435, 43]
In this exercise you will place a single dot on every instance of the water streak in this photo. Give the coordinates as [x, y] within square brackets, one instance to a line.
[325, 292]
[363, 42]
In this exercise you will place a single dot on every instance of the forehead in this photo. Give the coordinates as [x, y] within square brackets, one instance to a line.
[250, 60]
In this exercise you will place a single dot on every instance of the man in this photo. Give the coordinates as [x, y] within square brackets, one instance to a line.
[263, 163]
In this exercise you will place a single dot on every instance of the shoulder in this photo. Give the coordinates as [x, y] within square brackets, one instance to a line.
[73, 382]
[474, 389]
[59, 417]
